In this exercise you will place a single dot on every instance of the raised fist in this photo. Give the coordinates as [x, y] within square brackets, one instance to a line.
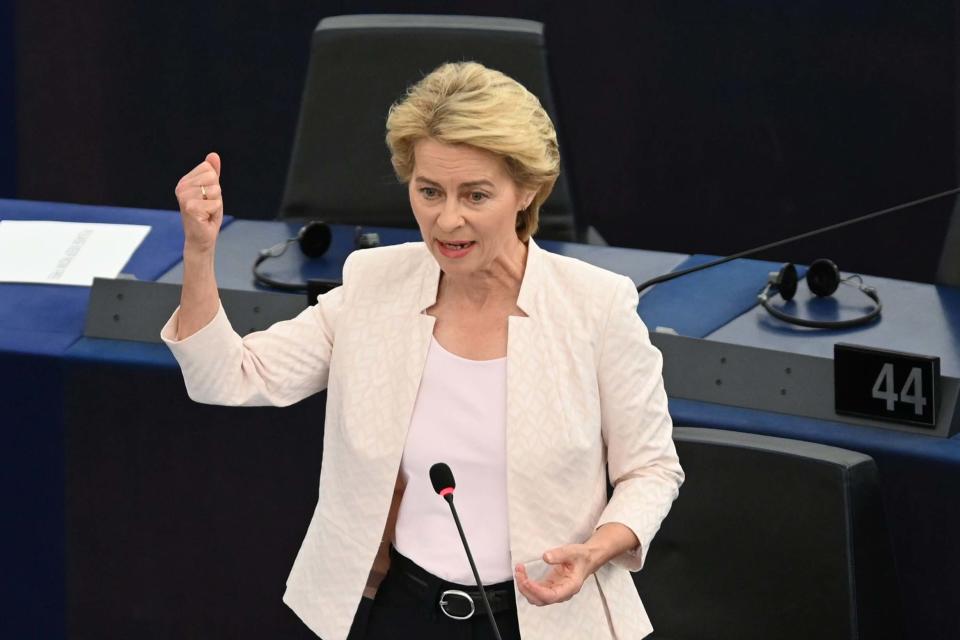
[201, 204]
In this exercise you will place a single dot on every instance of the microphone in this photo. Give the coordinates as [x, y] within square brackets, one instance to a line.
[443, 483]
[809, 234]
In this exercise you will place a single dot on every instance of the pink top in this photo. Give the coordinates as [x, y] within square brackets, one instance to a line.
[459, 418]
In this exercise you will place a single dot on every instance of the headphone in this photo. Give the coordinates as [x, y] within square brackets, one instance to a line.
[314, 239]
[823, 278]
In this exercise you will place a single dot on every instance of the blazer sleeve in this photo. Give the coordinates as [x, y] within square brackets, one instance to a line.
[637, 429]
[278, 366]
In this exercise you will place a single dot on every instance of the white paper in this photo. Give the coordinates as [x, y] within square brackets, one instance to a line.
[71, 253]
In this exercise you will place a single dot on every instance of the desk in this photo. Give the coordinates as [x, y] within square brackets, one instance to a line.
[38, 324]
[213, 496]
[920, 474]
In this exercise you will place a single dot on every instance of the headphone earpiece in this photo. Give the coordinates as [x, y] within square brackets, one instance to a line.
[823, 277]
[314, 238]
[784, 281]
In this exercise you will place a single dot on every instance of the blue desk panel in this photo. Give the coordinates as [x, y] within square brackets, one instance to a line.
[48, 318]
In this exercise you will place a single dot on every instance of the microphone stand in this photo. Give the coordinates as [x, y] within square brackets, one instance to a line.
[473, 567]
[743, 254]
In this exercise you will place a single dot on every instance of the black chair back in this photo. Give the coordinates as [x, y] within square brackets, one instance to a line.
[359, 65]
[772, 538]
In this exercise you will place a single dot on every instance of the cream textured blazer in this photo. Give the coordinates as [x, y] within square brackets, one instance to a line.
[584, 396]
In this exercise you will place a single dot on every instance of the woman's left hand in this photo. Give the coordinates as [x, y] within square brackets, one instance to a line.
[571, 565]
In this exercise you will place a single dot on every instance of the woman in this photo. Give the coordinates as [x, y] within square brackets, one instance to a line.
[529, 373]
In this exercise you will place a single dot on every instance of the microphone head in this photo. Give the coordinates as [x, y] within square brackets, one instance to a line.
[442, 479]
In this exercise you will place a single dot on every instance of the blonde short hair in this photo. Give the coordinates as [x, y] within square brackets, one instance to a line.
[467, 103]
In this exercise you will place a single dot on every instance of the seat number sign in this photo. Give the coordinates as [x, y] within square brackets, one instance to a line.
[886, 385]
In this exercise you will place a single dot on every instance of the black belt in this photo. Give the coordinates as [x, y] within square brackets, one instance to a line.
[456, 601]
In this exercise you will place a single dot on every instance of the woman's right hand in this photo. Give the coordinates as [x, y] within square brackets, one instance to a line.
[201, 216]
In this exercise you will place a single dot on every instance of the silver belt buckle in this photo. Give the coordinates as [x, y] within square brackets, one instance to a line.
[459, 594]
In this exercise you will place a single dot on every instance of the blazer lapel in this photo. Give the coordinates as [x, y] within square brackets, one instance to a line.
[415, 331]
[386, 356]
[529, 403]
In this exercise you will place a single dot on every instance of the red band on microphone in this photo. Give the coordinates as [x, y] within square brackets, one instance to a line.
[444, 492]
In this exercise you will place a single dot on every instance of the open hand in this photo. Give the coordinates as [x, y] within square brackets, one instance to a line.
[571, 565]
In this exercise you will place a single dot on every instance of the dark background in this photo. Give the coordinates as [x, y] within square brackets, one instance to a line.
[705, 126]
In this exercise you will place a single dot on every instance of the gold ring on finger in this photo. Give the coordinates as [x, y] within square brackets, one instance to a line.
[203, 192]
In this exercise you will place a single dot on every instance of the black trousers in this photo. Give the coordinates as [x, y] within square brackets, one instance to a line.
[397, 613]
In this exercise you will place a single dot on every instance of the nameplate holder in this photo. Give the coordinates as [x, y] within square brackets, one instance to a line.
[814, 386]
[886, 385]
